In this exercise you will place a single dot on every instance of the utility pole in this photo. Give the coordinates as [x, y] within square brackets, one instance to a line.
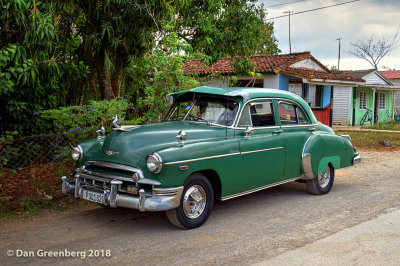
[290, 43]
[338, 61]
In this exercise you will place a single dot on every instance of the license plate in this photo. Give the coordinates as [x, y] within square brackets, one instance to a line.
[93, 196]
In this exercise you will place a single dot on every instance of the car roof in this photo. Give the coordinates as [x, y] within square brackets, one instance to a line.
[244, 92]
[248, 93]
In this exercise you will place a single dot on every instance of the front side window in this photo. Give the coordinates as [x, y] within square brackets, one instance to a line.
[258, 114]
[381, 100]
[291, 114]
[363, 100]
[209, 109]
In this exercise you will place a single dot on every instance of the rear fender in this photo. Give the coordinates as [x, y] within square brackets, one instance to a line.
[319, 151]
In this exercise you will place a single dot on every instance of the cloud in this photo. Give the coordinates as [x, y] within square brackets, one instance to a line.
[317, 31]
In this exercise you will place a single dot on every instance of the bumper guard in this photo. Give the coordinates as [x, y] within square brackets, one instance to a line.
[162, 199]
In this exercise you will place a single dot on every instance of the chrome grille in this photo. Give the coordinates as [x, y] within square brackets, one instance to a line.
[94, 176]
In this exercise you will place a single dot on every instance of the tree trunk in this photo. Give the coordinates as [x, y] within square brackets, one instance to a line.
[116, 83]
[116, 79]
[104, 83]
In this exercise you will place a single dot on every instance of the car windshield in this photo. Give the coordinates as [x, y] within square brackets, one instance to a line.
[206, 109]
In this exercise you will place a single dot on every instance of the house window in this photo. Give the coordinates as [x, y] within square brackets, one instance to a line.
[381, 100]
[363, 100]
[255, 83]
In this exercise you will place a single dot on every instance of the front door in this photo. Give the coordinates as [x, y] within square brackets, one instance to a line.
[262, 153]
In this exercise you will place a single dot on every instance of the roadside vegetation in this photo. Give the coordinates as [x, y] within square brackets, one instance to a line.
[373, 140]
[68, 67]
[392, 125]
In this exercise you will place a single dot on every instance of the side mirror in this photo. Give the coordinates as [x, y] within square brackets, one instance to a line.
[249, 131]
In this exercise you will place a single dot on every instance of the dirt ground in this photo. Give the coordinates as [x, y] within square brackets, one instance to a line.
[245, 230]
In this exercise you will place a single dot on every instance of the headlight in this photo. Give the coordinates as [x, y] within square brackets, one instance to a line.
[154, 163]
[77, 153]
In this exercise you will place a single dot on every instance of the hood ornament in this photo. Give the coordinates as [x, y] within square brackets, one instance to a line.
[117, 127]
[111, 153]
[117, 121]
[101, 133]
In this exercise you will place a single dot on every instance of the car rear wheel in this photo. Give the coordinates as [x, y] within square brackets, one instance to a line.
[322, 183]
[195, 205]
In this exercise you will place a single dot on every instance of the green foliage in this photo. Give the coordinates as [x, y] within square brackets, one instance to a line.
[7, 151]
[81, 122]
[35, 68]
[391, 125]
[158, 74]
[59, 53]
[227, 28]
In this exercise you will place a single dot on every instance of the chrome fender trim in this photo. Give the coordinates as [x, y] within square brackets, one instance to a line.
[306, 165]
[357, 159]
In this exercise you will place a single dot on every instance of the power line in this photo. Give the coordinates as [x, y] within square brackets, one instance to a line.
[286, 3]
[314, 9]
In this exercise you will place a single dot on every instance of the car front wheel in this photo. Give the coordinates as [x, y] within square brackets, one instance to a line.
[322, 183]
[195, 205]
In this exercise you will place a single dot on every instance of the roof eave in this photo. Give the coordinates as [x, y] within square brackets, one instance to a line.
[333, 82]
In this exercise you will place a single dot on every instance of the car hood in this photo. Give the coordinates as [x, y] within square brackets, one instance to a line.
[132, 147]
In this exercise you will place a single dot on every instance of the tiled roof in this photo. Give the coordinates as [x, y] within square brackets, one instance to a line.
[391, 74]
[269, 63]
[354, 73]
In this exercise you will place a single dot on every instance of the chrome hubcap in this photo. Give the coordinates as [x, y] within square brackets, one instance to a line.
[324, 178]
[194, 201]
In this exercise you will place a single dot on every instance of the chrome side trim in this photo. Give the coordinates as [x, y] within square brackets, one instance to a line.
[220, 156]
[300, 125]
[256, 128]
[203, 158]
[259, 188]
[306, 165]
[270, 149]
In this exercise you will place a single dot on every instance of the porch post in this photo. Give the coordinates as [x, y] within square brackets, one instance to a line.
[331, 110]
[373, 105]
[392, 111]
[353, 122]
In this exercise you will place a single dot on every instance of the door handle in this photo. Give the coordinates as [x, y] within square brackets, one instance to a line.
[311, 129]
[277, 131]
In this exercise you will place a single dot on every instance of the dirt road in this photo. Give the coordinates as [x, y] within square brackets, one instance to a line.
[245, 230]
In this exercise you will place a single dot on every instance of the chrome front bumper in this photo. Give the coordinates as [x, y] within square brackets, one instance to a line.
[357, 159]
[162, 199]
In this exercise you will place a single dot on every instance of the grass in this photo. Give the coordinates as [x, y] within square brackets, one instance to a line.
[392, 125]
[369, 140]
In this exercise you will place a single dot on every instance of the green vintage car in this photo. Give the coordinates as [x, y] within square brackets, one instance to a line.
[214, 144]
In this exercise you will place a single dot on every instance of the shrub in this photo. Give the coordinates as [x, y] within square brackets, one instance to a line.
[81, 122]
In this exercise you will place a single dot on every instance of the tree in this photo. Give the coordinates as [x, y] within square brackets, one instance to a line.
[374, 49]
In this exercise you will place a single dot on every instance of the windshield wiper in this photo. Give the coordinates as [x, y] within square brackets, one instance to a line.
[193, 117]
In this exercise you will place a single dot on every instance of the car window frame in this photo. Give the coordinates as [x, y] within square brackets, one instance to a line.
[297, 105]
[272, 100]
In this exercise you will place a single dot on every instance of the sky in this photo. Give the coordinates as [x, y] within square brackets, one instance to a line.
[318, 31]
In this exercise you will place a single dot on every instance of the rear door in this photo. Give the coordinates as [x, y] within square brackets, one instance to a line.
[296, 129]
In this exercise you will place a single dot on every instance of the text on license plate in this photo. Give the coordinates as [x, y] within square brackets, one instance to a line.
[93, 196]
